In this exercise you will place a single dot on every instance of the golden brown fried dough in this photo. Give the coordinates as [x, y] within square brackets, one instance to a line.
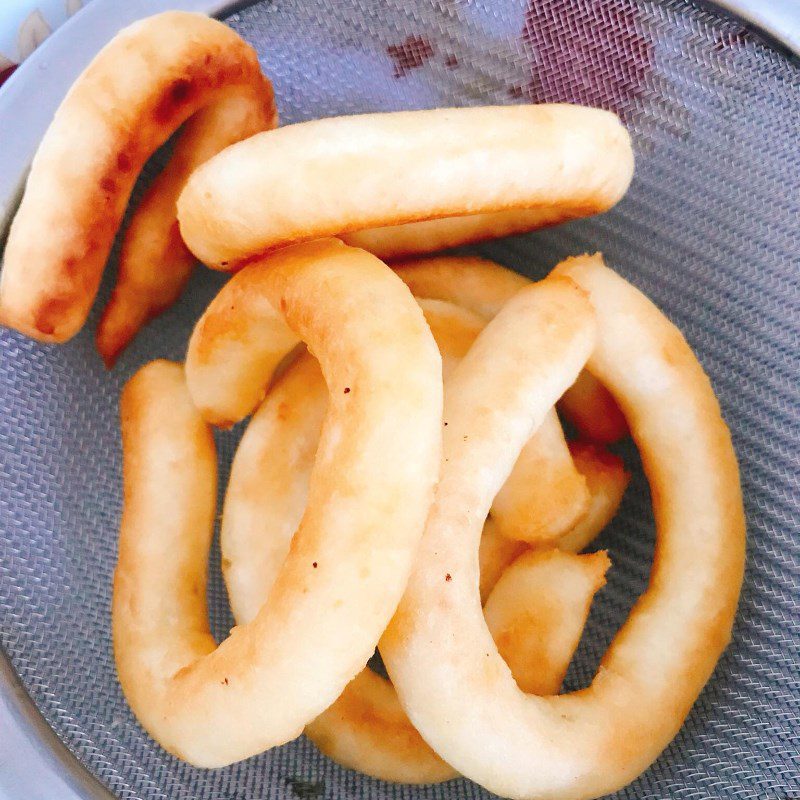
[154, 263]
[589, 406]
[369, 494]
[344, 174]
[606, 479]
[366, 728]
[536, 613]
[545, 495]
[142, 85]
[443, 662]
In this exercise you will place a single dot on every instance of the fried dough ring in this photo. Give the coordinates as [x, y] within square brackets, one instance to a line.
[268, 489]
[483, 286]
[370, 490]
[455, 687]
[135, 93]
[344, 174]
[545, 496]
[366, 729]
[154, 263]
[537, 610]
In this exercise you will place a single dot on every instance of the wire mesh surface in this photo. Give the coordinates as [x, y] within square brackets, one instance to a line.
[709, 230]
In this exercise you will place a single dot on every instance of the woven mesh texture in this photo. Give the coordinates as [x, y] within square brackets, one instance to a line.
[709, 230]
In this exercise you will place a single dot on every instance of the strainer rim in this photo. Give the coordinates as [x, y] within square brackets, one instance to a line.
[19, 714]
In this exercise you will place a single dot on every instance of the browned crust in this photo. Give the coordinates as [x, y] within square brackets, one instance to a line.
[154, 263]
[147, 81]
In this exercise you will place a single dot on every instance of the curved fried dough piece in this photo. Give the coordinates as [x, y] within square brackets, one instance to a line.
[590, 407]
[545, 496]
[268, 488]
[370, 490]
[459, 693]
[607, 479]
[154, 263]
[135, 93]
[484, 287]
[475, 283]
[365, 728]
[496, 398]
[430, 235]
[344, 174]
[537, 611]
[495, 554]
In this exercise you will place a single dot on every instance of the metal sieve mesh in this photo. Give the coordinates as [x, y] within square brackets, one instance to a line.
[709, 230]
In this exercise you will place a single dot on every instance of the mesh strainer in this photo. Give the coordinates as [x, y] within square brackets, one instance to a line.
[710, 230]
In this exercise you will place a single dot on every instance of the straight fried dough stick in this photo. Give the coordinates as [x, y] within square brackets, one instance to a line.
[344, 174]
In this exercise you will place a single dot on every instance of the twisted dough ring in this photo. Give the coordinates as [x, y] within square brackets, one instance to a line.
[366, 728]
[458, 692]
[135, 93]
[346, 174]
[370, 491]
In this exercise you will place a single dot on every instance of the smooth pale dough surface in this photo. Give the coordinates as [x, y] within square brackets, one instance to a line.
[344, 174]
[268, 488]
[537, 618]
[148, 80]
[456, 688]
[370, 490]
[545, 496]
